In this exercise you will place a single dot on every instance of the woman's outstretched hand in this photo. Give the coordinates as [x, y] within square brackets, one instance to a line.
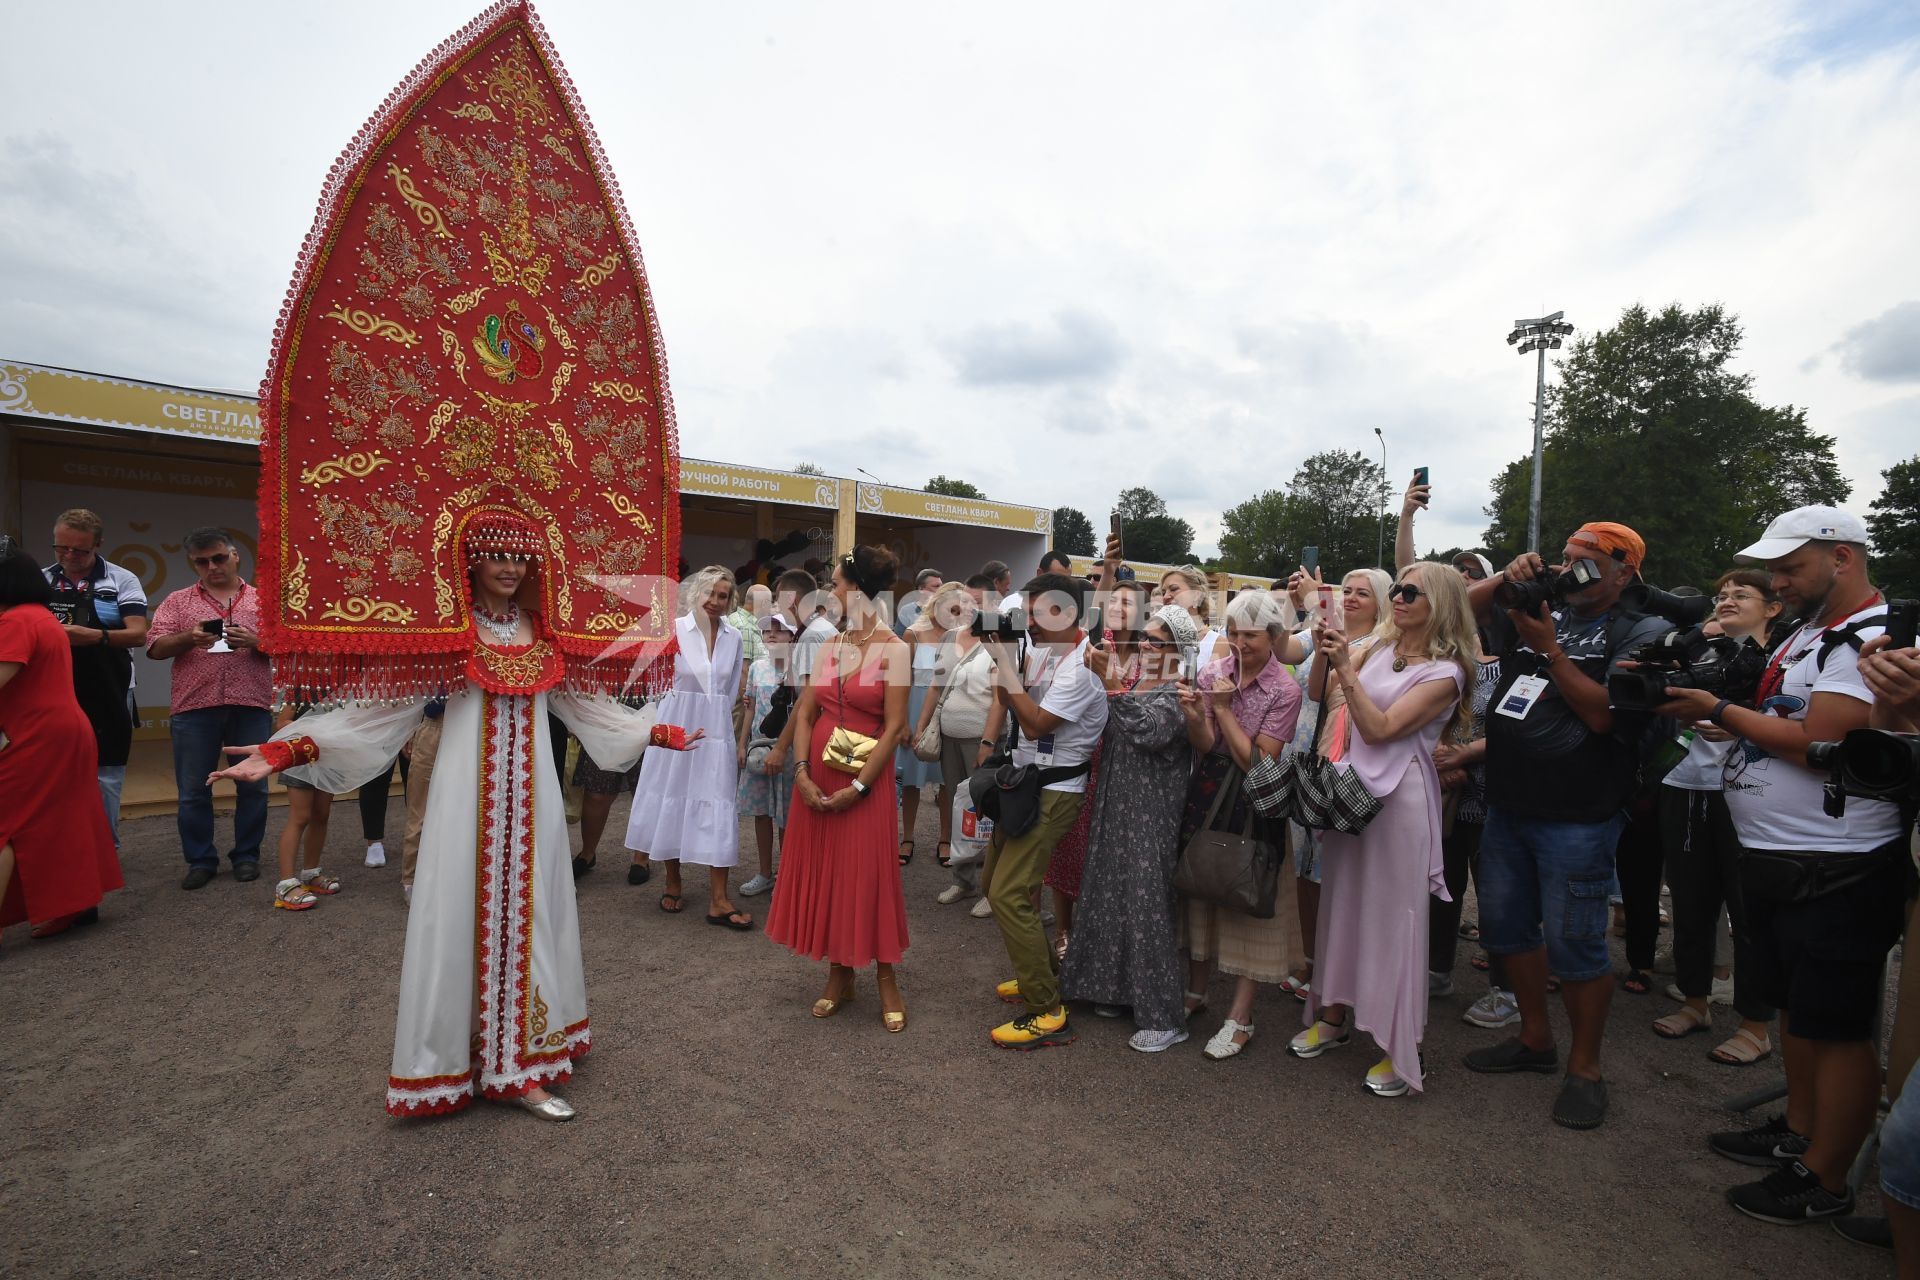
[252, 769]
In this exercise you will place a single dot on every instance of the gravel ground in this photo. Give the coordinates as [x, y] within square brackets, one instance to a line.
[194, 1088]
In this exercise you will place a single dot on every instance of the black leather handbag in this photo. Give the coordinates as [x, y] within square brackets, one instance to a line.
[1240, 872]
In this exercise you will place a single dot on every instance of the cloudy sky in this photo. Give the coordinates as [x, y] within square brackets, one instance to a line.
[1057, 249]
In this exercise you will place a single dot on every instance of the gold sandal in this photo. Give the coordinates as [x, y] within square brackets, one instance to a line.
[321, 882]
[827, 1006]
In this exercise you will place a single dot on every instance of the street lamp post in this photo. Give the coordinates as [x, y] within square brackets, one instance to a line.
[1380, 540]
[1538, 335]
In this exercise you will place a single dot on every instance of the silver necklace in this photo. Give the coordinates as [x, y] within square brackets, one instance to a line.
[504, 627]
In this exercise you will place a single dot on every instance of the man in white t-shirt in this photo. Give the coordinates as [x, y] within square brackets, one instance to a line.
[1059, 710]
[1825, 895]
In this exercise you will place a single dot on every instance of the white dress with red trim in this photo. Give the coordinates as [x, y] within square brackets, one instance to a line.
[493, 994]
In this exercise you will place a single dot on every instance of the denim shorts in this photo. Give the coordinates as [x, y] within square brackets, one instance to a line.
[1546, 883]
[1900, 1147]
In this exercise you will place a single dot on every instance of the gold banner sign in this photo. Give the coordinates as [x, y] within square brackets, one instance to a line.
[912, 504]
[725, 480]
[55, 394]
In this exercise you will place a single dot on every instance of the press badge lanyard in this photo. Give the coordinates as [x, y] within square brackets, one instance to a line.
[1043, 745]
[1521, 696]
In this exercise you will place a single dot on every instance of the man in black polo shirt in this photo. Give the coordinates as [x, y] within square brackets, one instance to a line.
[1561, 767]
[104, 610]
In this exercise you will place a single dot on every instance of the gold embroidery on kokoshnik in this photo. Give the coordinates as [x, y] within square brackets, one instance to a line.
[368, 325]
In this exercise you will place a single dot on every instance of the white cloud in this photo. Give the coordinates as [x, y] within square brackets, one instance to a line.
[1057, 250]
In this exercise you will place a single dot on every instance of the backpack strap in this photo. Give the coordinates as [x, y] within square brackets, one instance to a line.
[1848, 635]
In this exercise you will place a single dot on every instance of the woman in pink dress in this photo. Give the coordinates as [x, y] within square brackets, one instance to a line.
[838, 897]
[1402, 692]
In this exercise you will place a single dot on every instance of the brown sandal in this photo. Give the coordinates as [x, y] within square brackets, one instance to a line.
[1742, 1049]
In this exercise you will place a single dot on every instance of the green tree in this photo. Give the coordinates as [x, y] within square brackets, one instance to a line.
[953, 488]
[1150, 532]
[1073, 532]
[1651, 426]
[1894, 521]
[807, 469]
[1332, 502]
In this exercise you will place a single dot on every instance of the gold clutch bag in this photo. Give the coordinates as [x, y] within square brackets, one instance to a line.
[847, 751]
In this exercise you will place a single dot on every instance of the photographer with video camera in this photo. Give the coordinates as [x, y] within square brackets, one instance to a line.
[1825, 886]
[1562, 766]
[1059, 709]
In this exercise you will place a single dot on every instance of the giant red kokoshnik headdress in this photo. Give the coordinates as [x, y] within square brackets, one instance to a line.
[468, 338]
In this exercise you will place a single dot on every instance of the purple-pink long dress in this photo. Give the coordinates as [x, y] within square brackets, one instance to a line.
[1374, 886]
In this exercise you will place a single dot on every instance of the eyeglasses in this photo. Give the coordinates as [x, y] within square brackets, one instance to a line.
[59, 550]
[1735, 597]
[1473, 571]
[208, 562]
[1404, 591]
[1154, 640]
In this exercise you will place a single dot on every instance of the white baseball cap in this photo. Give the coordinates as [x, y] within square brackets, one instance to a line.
[1790, 532]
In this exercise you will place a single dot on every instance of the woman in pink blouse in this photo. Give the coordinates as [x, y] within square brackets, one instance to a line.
[1241, 706]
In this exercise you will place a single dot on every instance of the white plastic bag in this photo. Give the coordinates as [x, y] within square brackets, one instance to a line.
[971, 829]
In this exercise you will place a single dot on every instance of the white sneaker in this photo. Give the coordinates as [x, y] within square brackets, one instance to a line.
[376, 854]
[952, 894]
[406, 891]
[756, 886]
[1495, 1009]
[1155, 1041]
[1439, 984]
[982, 909]
[1108, 1010]
[1223, 1046]
[1722, 992]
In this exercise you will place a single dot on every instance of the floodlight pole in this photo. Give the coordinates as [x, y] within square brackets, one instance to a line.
[1539, 402]
[1540, 334]
[1380, 540]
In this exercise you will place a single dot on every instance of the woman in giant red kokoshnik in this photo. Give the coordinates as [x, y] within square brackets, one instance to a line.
[493, 996]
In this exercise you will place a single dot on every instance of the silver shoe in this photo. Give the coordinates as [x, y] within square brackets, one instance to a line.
[553, 1108]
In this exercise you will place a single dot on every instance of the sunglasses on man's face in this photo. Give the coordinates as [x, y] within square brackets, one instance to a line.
[1404, 591]
[208, 562]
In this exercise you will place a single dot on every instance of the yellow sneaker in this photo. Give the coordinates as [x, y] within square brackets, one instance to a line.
[1384, 1082]
[1034, 1031]
[1009, 991]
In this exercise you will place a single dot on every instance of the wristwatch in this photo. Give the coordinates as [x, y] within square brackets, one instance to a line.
[861, 787]
[988, 742]
[105, 638]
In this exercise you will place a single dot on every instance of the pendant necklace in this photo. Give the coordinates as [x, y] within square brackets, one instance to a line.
[503, 626]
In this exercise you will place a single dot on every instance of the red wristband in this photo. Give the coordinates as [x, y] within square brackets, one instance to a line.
[670, 736]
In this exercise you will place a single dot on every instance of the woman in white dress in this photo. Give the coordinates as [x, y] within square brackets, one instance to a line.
[685, 808]
[493, 995]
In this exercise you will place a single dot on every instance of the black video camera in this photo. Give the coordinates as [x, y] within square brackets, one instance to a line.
[1681, 611]
[1549, 589]
[1873, 764]
[1008, 628]
[1690, 659]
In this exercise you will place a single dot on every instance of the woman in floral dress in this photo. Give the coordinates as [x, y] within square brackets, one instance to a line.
[1126, 947]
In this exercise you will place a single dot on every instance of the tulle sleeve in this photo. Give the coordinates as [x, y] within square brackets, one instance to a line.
[612, 733]
[356, 742]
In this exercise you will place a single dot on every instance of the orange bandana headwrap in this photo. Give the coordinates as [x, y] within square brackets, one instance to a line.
[1616, 540]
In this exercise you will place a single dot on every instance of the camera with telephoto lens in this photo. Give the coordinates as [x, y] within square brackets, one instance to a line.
[1549, 589]
[1008, 628]
[1690, 659]
[1872, 764]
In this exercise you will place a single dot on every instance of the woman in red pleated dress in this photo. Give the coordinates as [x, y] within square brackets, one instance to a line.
[838, 897]
[56, 850]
